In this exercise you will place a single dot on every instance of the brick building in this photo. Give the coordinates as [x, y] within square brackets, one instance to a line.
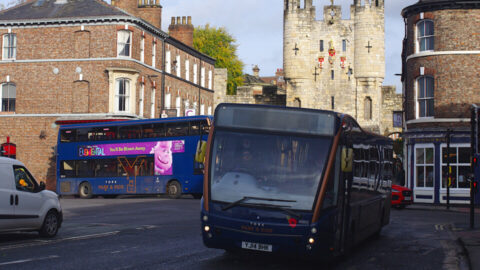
[67, 61]
[440, 79]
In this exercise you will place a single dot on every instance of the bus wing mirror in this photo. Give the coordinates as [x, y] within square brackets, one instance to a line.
[347, 159]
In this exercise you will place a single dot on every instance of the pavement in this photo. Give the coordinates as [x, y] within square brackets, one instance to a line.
[468, 238]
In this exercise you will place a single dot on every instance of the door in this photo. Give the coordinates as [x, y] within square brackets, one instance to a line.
[28, 200]
[7, 198]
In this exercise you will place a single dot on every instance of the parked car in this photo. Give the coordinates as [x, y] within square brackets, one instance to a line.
[401, 196]
[25, 205]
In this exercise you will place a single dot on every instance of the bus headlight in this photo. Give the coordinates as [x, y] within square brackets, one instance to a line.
[205, 218]
[311, 240]
[314, 230]
[206, 228]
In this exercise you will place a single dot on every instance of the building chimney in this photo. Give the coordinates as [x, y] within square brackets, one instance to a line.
[148, 10]
[182, 30]
[256, 71]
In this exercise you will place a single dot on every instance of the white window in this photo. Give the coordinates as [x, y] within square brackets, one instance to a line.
[152, 104]
[195, 74]
[140, 100]
[142, 49]
[424, 167]
[209, 110]
[154, 53]
[460, 164]
[122, 95]
[210, 79]
[187, 70]
[178, 105]
[178, 66]
[202, 77]
[7, 97]
[202, 109]
[9, 46]
[425, 96]
[168, 64]
[124, 44]
[168, 101]
[425, 36]
[195, 106]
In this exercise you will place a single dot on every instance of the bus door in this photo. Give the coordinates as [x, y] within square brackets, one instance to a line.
[345, 156]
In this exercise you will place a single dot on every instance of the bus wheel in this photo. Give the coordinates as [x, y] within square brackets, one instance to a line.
[197, 195]
[174, 189]
[85, 190]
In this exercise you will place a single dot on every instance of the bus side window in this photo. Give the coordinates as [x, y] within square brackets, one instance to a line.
[85, 168]
[177, 129]
[205, 127]
[67, 170]
[194, 128]
[82, 134]
[68, 135]
[129, 132]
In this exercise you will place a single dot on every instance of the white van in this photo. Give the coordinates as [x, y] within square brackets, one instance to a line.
[25, 205]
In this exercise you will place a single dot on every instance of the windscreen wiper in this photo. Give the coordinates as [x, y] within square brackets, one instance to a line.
[246, 198]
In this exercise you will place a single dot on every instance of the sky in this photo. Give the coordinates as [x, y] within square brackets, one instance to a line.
[257, 26]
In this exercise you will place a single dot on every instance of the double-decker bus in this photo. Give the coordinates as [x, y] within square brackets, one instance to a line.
[293, 181]
[152, 156]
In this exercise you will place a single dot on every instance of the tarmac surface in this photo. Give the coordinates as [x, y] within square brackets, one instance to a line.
[467, 237]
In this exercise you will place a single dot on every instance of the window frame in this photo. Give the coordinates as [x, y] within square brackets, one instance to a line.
[126, 95]
[8, 47]
[123, 44]
[424, 165]
[9, 109]
[456, 164]
[425, 98]
[419, 39]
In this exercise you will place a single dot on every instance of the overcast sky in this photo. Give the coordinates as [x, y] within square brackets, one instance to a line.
[257, 25]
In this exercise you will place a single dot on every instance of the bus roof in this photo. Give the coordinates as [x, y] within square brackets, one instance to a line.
[137, 122]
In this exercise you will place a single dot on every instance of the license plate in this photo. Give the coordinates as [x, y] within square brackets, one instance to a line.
[409, 198]
[256, 246]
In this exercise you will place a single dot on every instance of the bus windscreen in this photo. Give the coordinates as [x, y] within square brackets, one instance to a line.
[284, 171]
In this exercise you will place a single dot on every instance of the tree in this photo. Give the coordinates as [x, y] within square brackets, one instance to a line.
[217, 43]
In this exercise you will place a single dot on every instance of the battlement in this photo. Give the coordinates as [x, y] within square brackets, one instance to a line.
[292, 5]
[369, 3]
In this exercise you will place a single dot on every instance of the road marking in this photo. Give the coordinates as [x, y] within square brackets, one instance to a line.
[30, 260]
[45, 242]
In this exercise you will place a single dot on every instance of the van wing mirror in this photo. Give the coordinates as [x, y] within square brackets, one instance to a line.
[347, 159]
[42, 186]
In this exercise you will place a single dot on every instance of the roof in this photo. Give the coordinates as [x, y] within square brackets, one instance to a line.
[434, 5]
[58, 9]
[249, 79]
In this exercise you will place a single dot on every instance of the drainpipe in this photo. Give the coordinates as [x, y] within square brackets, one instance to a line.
[162, 103]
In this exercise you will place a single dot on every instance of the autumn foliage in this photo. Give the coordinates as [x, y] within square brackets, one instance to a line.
[217, 43]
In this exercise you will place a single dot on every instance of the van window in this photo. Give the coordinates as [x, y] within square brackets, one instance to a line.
[24, 181]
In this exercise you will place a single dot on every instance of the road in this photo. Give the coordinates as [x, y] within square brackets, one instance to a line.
[159, 233]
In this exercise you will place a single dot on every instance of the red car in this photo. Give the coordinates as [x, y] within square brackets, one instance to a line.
[401, 196]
